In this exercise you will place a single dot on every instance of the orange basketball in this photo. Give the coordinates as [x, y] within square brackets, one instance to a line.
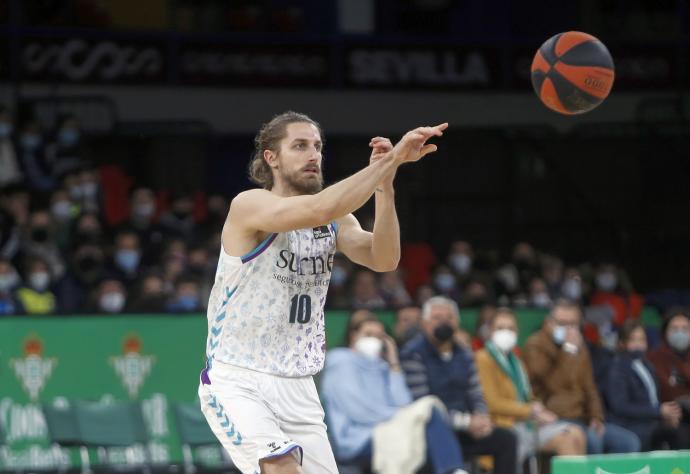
[572, 72]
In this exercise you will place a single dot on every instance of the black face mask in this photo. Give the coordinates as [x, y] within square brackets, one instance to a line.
[88, 264]
[39, 234]
[88, 236]
[443, 333]
[181, 214]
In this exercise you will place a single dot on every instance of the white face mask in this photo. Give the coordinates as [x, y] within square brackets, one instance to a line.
[39, 281]
[607, 281]
[572, 289]
[541, 300]
[461, 263]
[370, 347]
[112, 302]
[61, 210]
[8, 281]
[504, 339]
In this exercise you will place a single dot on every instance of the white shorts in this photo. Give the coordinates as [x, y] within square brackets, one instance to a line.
[257, 416]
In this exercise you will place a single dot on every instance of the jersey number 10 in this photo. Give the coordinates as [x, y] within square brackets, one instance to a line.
[300, 309]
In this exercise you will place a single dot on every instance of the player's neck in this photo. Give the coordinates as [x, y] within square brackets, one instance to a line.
[284, 190]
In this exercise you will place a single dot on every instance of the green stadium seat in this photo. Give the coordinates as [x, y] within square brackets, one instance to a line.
[667, 462]
[194, 432]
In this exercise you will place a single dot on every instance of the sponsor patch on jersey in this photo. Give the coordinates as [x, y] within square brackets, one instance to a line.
[321, 232]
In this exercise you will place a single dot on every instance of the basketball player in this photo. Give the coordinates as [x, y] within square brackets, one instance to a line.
[266, 334]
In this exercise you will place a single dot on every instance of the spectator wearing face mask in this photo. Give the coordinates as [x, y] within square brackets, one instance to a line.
[9, 282]
[445, 283]
[671, 360]
[142, 220]
[65, 152]
[39, 242]
[10, 233]
[36, 296]
[10, 169]
[217, 207]
[151, 296]
[511, 401]
[460, 260]
[179, 221]
[110, 297]
[338, 289]
[572, 287]
[539, 297]
[62, 212]
[88, 229]
[86, 268]
[552, 271]
[614, 290]
[633, 393]
[560, 371]
[475, 295]
[32, 155]
[186, 298]
[126, 259]
[363, 387]
[483, 329]
[435, 364]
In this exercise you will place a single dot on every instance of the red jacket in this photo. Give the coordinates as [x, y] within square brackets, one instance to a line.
[673, 371]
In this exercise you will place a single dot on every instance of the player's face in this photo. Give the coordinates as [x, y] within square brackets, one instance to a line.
[299, 159]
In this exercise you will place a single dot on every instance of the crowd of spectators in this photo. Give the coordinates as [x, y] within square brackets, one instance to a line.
[503, 401]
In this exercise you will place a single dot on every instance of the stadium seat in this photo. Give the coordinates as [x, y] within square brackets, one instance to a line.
[102, 426]
[194, 432]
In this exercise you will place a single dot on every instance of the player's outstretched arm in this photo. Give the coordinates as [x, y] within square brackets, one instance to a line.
[261, 210]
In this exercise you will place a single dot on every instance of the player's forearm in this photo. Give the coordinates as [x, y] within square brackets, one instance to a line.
[350, 194]
[385, 244]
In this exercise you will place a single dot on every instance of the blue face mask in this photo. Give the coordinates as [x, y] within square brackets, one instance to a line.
[188, 303]
[31, 141]
[127, 260]
[68, 136]
[5, 130]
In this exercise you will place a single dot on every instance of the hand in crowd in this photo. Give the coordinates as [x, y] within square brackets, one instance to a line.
[541, 415]
[390, 353]
[671, 413]
[598, 426]
[480, 425]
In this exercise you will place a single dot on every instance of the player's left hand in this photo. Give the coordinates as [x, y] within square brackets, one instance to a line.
[380, 146]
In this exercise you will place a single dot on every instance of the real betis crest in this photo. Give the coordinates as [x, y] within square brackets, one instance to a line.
[33, 370]
[132, 367]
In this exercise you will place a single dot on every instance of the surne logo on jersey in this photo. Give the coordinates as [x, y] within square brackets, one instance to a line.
[321, 232]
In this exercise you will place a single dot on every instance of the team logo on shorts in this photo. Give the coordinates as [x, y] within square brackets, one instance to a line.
[132, 367]
[33, 370]
[321, 232]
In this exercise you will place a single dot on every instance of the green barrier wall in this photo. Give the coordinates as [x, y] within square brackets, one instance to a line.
[153, 359]
[661, 462]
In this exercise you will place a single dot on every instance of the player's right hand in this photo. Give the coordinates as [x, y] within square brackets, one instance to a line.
[412, 147]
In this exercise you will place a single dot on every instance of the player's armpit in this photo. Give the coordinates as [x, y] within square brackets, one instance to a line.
[261, 210]
[356, 243]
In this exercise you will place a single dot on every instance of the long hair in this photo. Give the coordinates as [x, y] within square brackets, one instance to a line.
[268, 138]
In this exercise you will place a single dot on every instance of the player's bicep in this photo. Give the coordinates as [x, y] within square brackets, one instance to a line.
[261, 210]
[354, 241]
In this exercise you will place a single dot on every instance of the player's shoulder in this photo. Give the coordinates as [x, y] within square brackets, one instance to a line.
[248, 199]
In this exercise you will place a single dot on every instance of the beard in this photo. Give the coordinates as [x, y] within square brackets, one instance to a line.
[301, 183]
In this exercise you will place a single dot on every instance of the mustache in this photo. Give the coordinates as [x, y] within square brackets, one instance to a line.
[312, 168]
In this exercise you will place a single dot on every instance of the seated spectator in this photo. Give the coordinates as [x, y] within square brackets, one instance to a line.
[151, 296]
[88, 229]
[39, 242]
[445, 283]
[460, 259]
[393, 290]
[671, 360]
[365, 292]
[65, 153]
[10, 169]
[85, 270]
[142, 214]
[185, 298]
[510, 399]
[552, 270]
[407, 322]
[363, 387]
[539, 294]
[31, 152]
[217, 206]
[84, 188]
[436, 365]
[9, 282]
[179, 221]
[126, 259]
[560, 370]
[633, 395]
[483, 329]
[62, 213]
[36, 296]
[613, 289]
[572, 287]
[424, 292]
[475, 295]
[110, 297]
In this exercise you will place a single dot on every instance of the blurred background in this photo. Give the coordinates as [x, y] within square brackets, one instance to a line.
[126, 128]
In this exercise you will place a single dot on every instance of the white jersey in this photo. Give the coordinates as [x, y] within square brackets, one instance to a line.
[266, 308]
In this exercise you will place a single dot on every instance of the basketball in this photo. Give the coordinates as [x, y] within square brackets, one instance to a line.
[572, 72]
